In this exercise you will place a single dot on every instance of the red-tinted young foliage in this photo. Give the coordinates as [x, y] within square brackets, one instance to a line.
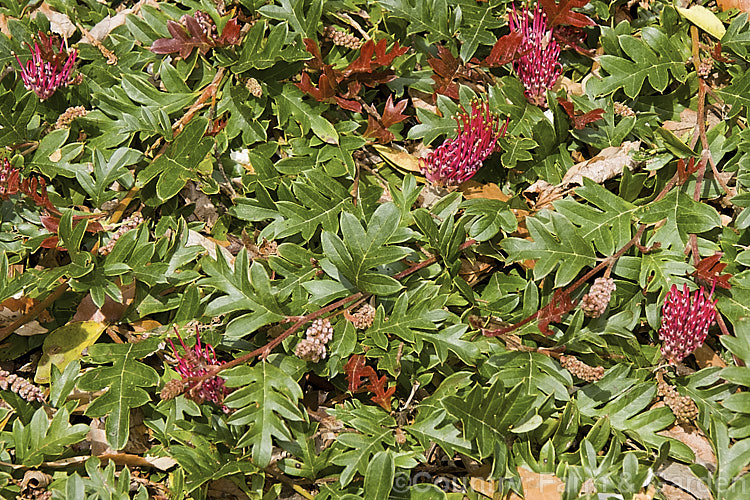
[196, 31]
[356, 370]
[382, 395]
[506, 49]
[561, 13]
[578, 118]
[52, 224]
[708, 272]
[392, 114]
[573, 37]
[341, 87]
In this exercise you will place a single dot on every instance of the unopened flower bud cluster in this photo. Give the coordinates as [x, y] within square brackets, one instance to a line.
[206, 23]
[70, 114]
[683, 407]
[127, 225]
[313, 347]
[596, 301]
[171, 389]
[21, 386]
[341, 38]
[623, 110]
[254, 87]
[581, 370]
[364, 317]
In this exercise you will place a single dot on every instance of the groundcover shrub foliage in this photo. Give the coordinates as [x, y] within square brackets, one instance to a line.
[374, 249]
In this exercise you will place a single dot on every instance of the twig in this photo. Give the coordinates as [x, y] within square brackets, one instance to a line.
[265, 350]
[111, 57]
[583, 279]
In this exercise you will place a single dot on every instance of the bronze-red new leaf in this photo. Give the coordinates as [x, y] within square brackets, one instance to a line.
[562, 13]
[506, 49]
[708, 272]
[578, 118]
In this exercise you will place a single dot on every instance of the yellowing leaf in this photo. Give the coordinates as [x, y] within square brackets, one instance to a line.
[399, 159]
[66, 344]
[705, 20]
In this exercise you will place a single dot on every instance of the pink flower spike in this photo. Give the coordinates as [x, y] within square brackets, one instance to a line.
[539, 66]
[44, 73]
[196, 362]
[457, 160]
[685, 322]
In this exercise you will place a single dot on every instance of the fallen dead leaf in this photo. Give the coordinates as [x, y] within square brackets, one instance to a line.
[742, 5]
[542, 194]
[674, 493]
[58, 23]
[681, 476]
[4, 25]
[110, 311]
[688, 120]
[423, 100]
[197, 239]
[205, 211]
[144, 325]
[399, 159]
[14, 307]
[608, 164]
[573, 88]
[539, 486]
[484, 487]
[473, 271]
[431, 194]
[491, 191]
[696, 441]
[161, 463]
[705, 356]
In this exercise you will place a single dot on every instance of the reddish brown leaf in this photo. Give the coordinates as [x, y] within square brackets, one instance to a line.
[50, 242]
[190, 35]
[324, 91]
[716, 54]
[506, 49]
[579, 119]
[365, 63]
[382, 395]
[708, 272]
[561, 13]
[356, 370]
[349, 105]
[446, 68]
[52, 223]
[385, 58]
[393, 114]
[312, 47]
[377, 131]
[230, 35]
[366, 69]
[571, 36]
